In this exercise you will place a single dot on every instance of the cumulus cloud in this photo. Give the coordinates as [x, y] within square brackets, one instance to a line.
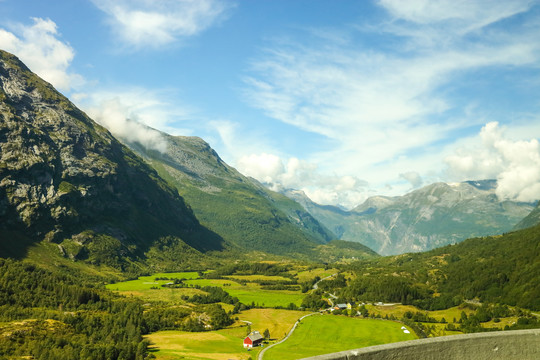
[346, 191]
[514, 163]
[40, 47]
[141, 23]
[130, 112]
[115, 116]
[379, 109]
[413, 178]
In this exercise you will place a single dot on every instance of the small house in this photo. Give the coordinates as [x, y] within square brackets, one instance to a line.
[253, 339]
[350, 305]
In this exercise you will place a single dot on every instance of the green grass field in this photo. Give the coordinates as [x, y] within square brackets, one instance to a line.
[221, 344]
[252, 293]
[306, 275]
[149, 288]
[258, 277]
[224, 343]
[318, 335]
[148, 282]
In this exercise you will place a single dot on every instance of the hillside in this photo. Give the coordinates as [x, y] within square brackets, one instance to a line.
[498, 269]
[530, 220]
[430, 217]
[67, 181]
[239, 209]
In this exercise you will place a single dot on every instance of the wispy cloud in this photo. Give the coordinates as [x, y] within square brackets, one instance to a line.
[389, 107]
[42, 49]
[469, 15]
[148, 23]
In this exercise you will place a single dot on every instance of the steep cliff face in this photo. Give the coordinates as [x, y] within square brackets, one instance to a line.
[65, 179]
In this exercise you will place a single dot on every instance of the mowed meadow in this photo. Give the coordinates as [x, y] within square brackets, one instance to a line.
[322, 334]
[224, 343]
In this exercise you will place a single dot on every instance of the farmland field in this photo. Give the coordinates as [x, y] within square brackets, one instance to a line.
[224, 343]
[324, 334]
[252, 293]
[148, 282]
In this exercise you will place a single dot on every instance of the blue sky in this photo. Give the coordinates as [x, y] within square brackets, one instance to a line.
[341, 99]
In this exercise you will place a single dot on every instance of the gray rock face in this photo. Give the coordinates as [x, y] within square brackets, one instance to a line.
[61, 175]
[430, 217]
[530, 220]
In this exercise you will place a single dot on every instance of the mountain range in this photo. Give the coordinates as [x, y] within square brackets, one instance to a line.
[66, 182]
[238, 208]
[430, 217]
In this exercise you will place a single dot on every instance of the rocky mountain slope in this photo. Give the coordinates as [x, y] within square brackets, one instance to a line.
[239, 209]
[66, 180]
[424, 219]
[530, 220]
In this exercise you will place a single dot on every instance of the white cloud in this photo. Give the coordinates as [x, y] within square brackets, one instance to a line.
[129, 112]
[151, 23]
[263, 167]
[39, 46]
[470, 14]
[413, 178]
[514, 163]
[270, 169]
[386, 112]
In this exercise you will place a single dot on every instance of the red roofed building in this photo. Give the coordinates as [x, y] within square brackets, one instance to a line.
[253, 339]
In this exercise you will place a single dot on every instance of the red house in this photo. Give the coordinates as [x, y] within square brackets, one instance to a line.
[253, 339]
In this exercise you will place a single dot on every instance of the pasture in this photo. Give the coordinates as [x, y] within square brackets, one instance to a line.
[149, 282]
[252, 293]
[317, 335]
[224, 343]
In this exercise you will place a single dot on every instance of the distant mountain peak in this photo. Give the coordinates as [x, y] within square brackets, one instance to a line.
[429, 217]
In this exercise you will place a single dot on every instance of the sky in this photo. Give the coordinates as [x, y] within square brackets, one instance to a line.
[341, 99]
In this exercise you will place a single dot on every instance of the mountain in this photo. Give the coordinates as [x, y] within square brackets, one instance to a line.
[66, 181]
[530, 220]
[238, 208]
[433, 216]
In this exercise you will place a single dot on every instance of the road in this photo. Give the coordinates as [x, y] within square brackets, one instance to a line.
[286, 337]
[316, 285]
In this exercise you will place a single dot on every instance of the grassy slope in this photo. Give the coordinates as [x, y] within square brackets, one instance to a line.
[318, 335]
[239, 209]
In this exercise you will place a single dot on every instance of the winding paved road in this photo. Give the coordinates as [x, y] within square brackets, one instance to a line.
[286, 337]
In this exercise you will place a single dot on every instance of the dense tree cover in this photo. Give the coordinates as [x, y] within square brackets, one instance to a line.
[251, 268]
[313, 301]
[70, 320]
[387, 289]
[200, 318]
[499, 269]
[213, 294]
